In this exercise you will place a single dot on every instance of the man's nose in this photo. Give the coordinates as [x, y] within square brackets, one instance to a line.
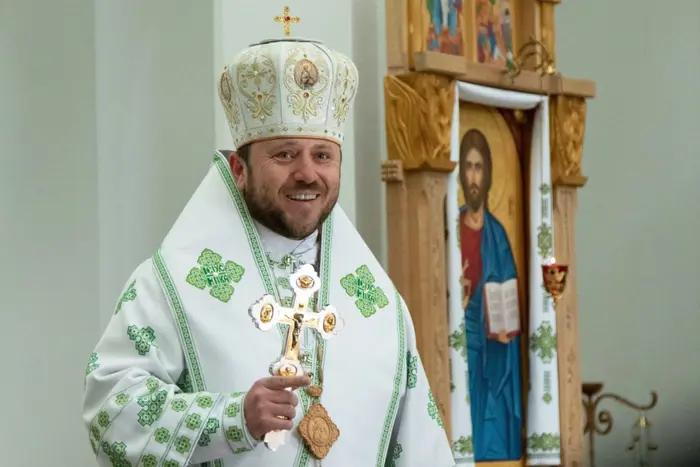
[304, 170]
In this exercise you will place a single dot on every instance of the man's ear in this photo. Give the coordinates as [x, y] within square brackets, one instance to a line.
[238, 169]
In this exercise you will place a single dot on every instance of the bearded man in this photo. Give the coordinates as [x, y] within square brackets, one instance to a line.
[185, 373]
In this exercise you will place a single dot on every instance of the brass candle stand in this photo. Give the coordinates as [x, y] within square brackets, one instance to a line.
[601, 422]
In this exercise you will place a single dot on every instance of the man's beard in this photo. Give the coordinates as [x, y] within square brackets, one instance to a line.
[263, 210]
[474, 197]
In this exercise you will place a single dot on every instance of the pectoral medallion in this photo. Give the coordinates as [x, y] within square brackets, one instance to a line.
[318, 431]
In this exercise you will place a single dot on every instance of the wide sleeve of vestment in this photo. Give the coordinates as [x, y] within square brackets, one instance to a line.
[419, 437]
[137, 406]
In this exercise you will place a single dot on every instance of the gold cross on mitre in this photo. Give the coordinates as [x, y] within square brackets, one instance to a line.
[267, 312]
[287, 19]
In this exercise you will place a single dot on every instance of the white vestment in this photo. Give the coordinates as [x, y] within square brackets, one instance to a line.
[166, 383]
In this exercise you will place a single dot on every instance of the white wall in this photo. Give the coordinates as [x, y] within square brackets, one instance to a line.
[155, 125]
[103, 136]
[48, 230]
[638, 219]
[369, 47]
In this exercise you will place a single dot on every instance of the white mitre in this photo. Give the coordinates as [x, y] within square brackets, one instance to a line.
[288, 88]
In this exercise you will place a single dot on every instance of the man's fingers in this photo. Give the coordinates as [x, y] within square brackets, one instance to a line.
[283, 410]
[283, 397]
[284, 382]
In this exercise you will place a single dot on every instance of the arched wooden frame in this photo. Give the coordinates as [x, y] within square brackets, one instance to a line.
[419, 112]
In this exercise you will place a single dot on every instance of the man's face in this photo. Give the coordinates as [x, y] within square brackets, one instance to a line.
[290, 185]
[475, 189]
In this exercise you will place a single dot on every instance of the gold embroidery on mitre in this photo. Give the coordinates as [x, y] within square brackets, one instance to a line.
[305, 101]
[256, 77]
[345, 89]
[226, 96]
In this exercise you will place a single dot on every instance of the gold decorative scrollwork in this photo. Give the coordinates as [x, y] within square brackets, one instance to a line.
[419, 110]
[567, 127]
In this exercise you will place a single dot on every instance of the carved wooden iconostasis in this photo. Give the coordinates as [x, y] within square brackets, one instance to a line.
[484, 137]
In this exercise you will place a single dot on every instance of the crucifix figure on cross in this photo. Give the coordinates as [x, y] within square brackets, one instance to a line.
[267, 313]
[287, 20]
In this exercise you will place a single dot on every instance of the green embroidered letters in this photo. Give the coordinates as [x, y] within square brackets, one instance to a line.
[361, 285]
[216, 275]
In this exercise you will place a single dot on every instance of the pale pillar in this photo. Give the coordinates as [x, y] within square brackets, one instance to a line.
[155, 126]
[48, 228]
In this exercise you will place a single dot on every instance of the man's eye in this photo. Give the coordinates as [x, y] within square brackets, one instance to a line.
[284, 155]
[323, 155]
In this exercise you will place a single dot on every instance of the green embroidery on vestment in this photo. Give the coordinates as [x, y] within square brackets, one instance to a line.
[211, 427]
[205, 402]
[390, 419]
[216, 275]
[433, 410]
[149, 460]
[103, 419]
[183, 444]
[116, 453]
[193, 421]
[153, 405]
[241, 450]
[171, 463]
[93, 364]
[412, 362]
[235, 434]
[543, 342]
[162, 435]
[179, 405]
[152, 385]
[122, 399]
[142, 337]
[463, 445]
[129, 295]
[232, 409]
[396, 454]
[369, 296]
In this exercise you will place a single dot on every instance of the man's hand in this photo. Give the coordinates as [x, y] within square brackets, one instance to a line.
[271, 405]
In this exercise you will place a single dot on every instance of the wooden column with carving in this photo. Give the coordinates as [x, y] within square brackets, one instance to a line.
[419, 99]
[419, 109]
[567, 123]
